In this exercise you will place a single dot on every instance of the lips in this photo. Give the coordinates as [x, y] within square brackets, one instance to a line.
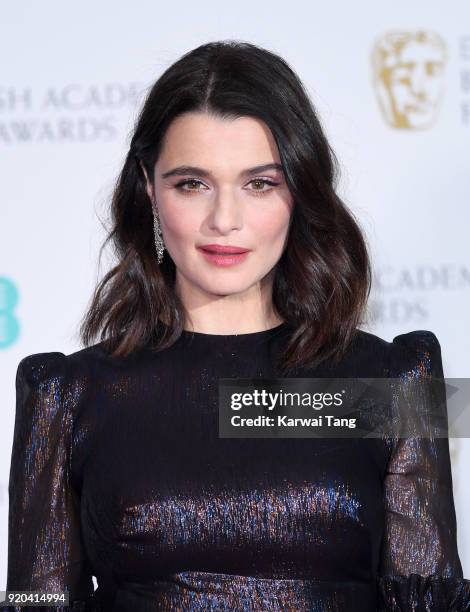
[223, 249]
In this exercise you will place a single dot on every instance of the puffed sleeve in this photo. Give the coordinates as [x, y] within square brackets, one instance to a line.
[45, 551]
[420, 567]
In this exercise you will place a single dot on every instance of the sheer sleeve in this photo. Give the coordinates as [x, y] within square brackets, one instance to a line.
[45, 550]
[420, 567]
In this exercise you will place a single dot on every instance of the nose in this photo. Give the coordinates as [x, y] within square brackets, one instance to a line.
[226, 213]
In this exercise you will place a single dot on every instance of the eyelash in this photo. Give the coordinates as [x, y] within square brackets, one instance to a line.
[257, 192]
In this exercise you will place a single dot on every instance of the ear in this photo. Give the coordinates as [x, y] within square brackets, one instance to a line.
[148, 184]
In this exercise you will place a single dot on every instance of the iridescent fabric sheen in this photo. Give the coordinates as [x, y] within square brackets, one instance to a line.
[117, 472]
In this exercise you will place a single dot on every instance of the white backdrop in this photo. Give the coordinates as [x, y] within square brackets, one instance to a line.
[72, 78]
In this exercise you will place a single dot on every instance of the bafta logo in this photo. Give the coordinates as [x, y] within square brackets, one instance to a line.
[408, 70]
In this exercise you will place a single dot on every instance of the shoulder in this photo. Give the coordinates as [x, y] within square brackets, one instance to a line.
[74, 371]
[52, 389]
[56, 374]
[417, 350]
[418, 353]
[48, 361]
[38, 368]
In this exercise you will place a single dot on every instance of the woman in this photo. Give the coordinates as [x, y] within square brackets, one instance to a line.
[118, 470]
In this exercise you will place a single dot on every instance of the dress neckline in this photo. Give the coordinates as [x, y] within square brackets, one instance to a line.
[224, 339]
[248, 335]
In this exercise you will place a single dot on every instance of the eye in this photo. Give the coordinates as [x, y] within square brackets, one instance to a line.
[194, 185]
[262, 181]
[193, 182]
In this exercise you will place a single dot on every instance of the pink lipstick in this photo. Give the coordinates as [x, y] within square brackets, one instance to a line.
[223, 255]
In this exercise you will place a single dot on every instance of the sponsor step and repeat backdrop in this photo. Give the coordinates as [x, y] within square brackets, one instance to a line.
[392, 87]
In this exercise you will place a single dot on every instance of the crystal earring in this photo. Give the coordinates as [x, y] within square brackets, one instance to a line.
[159, 244]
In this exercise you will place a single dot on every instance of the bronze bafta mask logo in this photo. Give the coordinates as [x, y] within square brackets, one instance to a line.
[408, 73]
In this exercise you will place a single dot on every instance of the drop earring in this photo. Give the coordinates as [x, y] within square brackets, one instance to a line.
[159, 244]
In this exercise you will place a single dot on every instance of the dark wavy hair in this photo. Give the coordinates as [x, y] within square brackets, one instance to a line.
[322, 281]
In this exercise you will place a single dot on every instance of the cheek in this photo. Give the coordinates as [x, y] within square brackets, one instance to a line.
[270, 230]
[180, 225]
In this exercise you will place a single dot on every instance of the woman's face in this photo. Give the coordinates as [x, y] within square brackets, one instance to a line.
[222, 200]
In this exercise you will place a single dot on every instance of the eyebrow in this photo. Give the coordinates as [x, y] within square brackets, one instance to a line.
[183, 170]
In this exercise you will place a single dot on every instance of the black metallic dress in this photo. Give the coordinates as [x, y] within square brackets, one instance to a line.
[118, 472]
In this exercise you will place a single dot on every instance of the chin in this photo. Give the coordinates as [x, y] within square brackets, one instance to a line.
[223, 288]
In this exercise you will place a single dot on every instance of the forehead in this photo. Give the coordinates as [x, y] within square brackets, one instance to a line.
[205, 140]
